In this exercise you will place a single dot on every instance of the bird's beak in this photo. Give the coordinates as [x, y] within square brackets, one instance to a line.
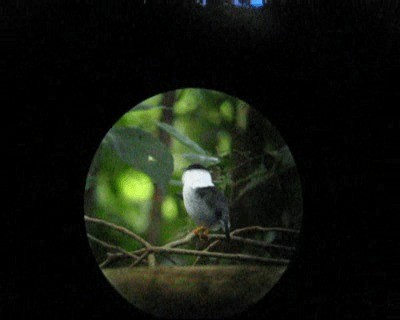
[227, 231]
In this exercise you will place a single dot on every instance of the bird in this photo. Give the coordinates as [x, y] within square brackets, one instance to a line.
[204, 203]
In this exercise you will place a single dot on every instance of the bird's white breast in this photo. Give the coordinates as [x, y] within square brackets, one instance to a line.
[195, 205]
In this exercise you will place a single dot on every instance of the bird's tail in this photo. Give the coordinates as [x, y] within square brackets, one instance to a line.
[227, 230]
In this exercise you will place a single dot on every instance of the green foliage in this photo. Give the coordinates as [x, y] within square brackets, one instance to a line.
[136, 173]
[135, 185]
[227, 110]
[169, 208]
[181, 138]
[201, 158]
[224, 145]
[143, 115]
[143, 152]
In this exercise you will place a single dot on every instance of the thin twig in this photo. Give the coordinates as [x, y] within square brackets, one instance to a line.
[171, 248]
[144, 255]
[112, 257]
[256, 243]
[112, 247]
[264, 229]
[210, 246]
[185, 240]
[119, 228]
[166, 256]
[230, 256]
[163, 249]
[108, 260]
[139, 251]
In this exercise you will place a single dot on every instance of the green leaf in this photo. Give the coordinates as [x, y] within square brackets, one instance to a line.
[200, 158]
[143, 152]
[181, 138]
[143, 107]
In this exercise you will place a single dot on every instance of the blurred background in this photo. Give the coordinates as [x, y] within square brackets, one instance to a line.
[135, 177]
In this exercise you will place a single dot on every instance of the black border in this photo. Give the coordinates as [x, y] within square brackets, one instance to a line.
[324, 82]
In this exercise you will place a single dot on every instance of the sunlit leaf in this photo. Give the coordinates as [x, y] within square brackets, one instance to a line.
[142, 152]
[154, 100]
[242, 112]
[181, 138]
[224, 143]
[135, 185]
[187, 101]
[226, 109]
[169, 208]
[142, 116]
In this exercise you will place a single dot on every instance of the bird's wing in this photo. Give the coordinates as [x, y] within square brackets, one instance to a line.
[214, 198]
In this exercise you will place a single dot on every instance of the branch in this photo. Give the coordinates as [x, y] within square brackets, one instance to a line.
[112, 247]
[180, 242]
[171, 248]
[144, 255]
[230, 256]
[256, 243]
[120, 229]
[112, 257]
[210, 246]
[264, 229]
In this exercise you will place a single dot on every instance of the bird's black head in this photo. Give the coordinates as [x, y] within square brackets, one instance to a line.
[196, 166]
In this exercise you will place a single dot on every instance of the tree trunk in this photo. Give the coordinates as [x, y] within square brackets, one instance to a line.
[155, 215]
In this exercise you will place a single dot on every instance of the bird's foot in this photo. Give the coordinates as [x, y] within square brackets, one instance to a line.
[201, 232]
[204, 234]
[198, 230]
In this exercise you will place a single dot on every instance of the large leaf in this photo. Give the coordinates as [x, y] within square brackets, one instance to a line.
[201, 158]
[143, 152]
[181, 138]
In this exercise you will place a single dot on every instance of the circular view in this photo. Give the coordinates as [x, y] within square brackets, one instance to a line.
[193, 205]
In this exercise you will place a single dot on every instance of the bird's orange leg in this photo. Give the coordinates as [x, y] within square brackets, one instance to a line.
[201, 231]
[205, 233]
[198, 230]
